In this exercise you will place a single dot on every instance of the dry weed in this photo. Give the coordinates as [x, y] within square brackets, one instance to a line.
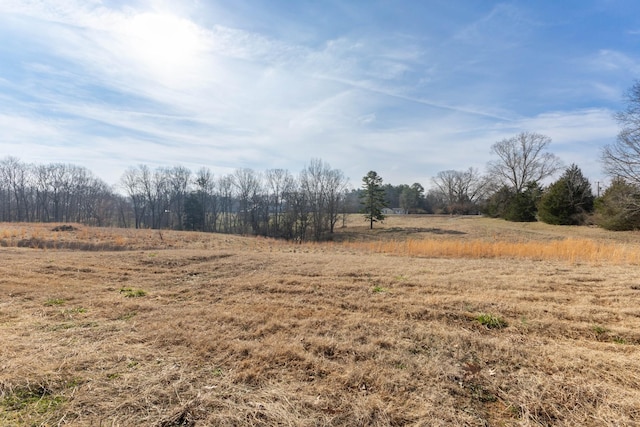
[571, 250]
[259, 333]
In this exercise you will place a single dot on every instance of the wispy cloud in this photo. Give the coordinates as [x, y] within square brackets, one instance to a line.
[611, 60]
[120, 83]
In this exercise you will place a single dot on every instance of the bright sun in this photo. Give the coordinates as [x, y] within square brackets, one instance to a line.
[166, 45]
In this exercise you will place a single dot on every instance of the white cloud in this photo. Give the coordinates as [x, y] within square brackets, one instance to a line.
[612, 60]
[571, 127]
[504, 27]
[121, 85]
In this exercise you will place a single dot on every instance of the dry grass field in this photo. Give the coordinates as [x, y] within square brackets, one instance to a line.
[423, 321]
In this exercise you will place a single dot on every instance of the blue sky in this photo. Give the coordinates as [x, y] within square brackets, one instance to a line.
[405, 88]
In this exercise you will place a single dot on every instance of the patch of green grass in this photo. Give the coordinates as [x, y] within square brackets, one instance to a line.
[619, 340]
[33, 401]
[61, 326]
[481, 393]
[491, 321]
[69, 325]
[76, 310]
[132, 293]
[599, 330]
[54, 301]
[127, 316]
[378, 289]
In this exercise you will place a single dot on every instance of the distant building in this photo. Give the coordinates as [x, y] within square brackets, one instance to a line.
[394, 211]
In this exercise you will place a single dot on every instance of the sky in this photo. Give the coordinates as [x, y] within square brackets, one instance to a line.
[407, 88]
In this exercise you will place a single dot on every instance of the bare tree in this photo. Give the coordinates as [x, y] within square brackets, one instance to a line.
[522, 159]
[295, 221]
[335, 190]
[15, 177]
[179, 179]
[149, 193]
[225, 193]
[324, 188]
[43, 183]
[279, 183]
[313, 182]
[247, 184]
[205, 188]
[460, 190]
[621, 159]
[132, 184]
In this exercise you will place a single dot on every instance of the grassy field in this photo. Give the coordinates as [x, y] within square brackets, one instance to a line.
[422, 321]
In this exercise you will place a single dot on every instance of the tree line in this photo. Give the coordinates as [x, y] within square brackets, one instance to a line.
[55, 193]
[512, 187]
[309, 205]
[273, 203]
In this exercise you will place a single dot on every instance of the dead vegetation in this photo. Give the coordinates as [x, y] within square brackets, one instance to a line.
[185, 329]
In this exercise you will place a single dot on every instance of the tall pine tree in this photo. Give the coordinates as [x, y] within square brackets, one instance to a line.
[373, 198]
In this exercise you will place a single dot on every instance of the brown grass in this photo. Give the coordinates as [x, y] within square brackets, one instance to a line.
[571, 250]
[243, 331]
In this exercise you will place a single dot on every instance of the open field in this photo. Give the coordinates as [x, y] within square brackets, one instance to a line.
[397, 326]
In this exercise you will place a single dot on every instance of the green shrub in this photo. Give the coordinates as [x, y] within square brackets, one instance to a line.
[491, 321]
[619, 207]
[132, 293]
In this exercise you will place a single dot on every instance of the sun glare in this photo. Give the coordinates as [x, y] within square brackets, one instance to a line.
[166, 45]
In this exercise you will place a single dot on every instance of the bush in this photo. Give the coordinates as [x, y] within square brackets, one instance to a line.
[522, 208]
[491, 321]
[518, 207]
[619, 207]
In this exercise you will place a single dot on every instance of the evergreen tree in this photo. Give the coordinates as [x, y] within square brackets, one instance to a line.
[498, 204]
[373, 198]
[508, 204]
[193, 213]
[568, 200]
[523, 205]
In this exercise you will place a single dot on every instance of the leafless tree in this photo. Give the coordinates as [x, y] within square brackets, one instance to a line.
[148, 191]
[247, 184]
[228, 221]
[205, 188]
[279, 183]
[522, 159]
[15, 177]
[131, 183]
[324, 188]
[179, 180]
[460, 190]
[621, 159]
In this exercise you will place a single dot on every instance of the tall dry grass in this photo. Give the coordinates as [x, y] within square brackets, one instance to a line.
[571, 250]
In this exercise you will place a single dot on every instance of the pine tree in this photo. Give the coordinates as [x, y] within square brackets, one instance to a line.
[568, 200]
[373, 198]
